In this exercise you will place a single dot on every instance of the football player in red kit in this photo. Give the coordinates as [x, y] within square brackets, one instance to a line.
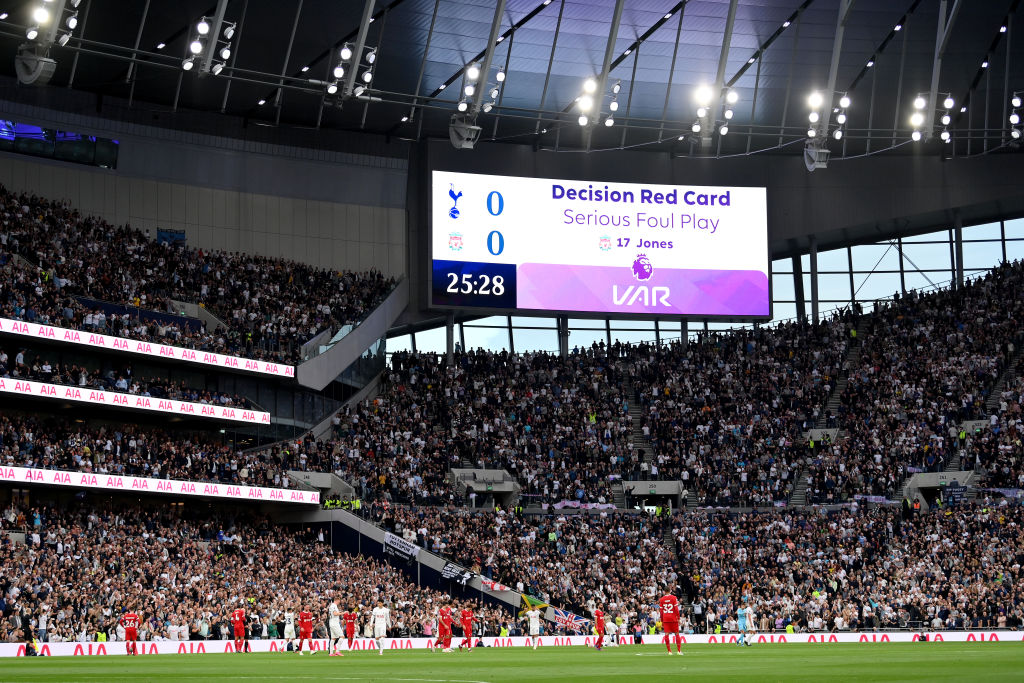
[238, 623]
[669, 606]
[466, 617]
[305, 628]
[444, 628]
[130, 621]
[351, 619]
[599, 627]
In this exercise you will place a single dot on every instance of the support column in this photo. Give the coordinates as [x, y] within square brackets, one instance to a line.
[814, 279]
[563, 336]
[684, 328]
[958, 238]
[798, 289]
[449, 334]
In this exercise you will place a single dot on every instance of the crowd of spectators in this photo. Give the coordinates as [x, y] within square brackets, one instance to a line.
[184, 571]
[996, 449]
[41, 366]
[926, 365]
[857, 569]
[726, 415]
[135, 450]
[616, 559]
[270, 306]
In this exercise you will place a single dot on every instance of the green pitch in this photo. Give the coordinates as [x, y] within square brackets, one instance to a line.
[789, 663]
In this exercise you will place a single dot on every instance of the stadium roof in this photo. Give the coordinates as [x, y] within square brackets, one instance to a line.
[778, 51]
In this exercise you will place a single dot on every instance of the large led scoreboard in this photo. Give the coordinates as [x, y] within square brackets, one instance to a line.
[533, 244]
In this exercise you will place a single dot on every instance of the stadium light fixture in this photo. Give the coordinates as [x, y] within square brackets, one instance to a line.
[1015, 101]
[161, 46]
[332, 88]
[225, 52]
[473, 72]
[358, 91]
[812, 132]
[41, 15]
[203, 27]
[339, 72]
[947, 103]
[919, 102]
[1014, 118]
[371, 56]
[1015, 133]
[813, 117]
[470, 90]
[844, 102]
[582, 120]
[32, 33]
[262, 102]
[195, 47]
[229, 32]
[64, 38]
[695, 128]
[346, 52]
[945, 119]
[187, 64]
[367, 76]
[590, 86]
[462, 106]
[494, 93]
[838, 135]
[916, 136]
[727, 114]
[609, 122]
[217, 68]
[586, 103]
[870, 63]
[724, 130]
[487, 107]
[984, 65]
[732, 97]
[944, 135]
[500, 76]
[703, 95]
[702, 112]
[841, 119]
[304, 69]
[617, 87]
[72, 21]
[917, 119]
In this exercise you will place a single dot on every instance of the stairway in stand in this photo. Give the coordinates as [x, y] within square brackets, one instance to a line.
[799, 497]
[850, 362]
[1011, 372]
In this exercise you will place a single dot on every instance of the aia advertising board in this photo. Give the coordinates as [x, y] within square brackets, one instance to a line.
[109, 343]
[176, 487]
[169, 647]
[537, 244]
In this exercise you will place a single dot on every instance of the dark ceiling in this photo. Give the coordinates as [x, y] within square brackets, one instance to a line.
[548, 51]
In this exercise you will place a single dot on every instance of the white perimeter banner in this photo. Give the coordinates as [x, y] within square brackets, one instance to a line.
[103, 341]
[177, 487]
[99, 397]
[221, 646]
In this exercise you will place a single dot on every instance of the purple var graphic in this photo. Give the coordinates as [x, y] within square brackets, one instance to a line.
[637, 289]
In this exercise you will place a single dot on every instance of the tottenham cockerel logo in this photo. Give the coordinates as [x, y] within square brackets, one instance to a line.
[642, 268]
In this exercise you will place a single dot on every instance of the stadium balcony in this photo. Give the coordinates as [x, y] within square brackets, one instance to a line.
[57, 277]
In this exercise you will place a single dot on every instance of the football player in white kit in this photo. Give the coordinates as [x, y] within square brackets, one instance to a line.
[533, 616]
[334, 623]
[289, 629]
[381, 617]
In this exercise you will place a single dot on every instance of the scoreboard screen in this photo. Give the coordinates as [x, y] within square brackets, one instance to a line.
[534, 244]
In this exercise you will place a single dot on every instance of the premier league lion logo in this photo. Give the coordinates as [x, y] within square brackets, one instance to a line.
[642, 268]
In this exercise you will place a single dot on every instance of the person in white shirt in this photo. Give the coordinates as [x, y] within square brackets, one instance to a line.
[533, 618]
[289, 628]
[611, 629]
[381, 617]
[334, 624]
